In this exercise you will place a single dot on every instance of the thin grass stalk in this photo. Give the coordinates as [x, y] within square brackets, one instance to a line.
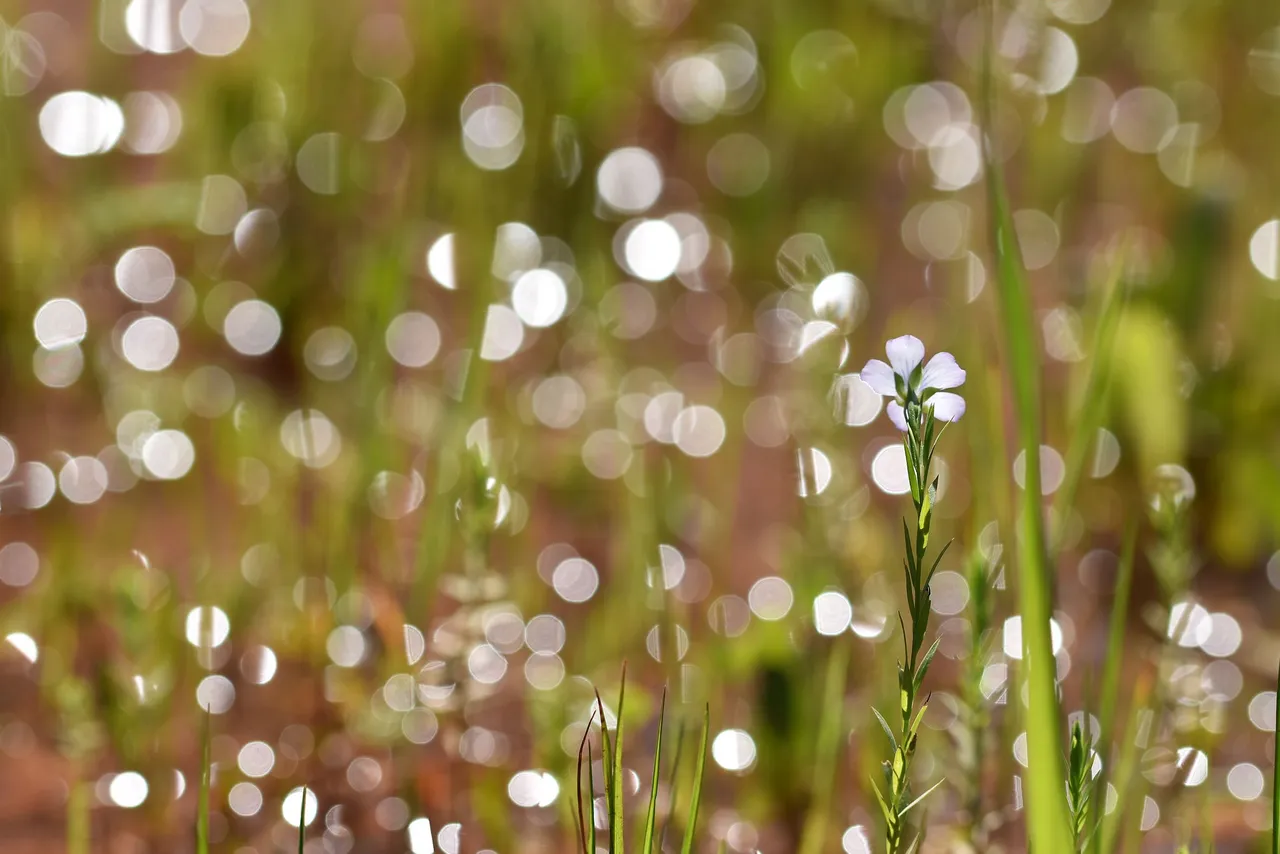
[651, 815]
[617, 838]
[302, 821]
[1128, 784]
[202, 799]
[582, 827]
[692, 823]
[1048, 826]
[1094, 397]
[591, 796]
[673, 784]
[1275, 779]
[78, 818]
[814, 836]
[1111, 671]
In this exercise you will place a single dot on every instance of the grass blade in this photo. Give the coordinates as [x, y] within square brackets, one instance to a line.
[1115, 634]
[1130, 786]
[617, 838]
[673, 785]
[1048, 826]
[651, 817]
[814, 837]
[1094, 400]
[302, 821]
[78, 818]
[699, 769]
[582, 825]
[591, 795]
[1275, 789]
[202, 800]
[1111, 676]
[606, 764]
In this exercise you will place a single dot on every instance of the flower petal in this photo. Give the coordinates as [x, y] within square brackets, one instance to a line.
[947, 406]
[897, 416]
[879, 376]
[942, 372]
[905, 354]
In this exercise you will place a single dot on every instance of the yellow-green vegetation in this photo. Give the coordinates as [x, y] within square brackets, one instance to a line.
[386, 385]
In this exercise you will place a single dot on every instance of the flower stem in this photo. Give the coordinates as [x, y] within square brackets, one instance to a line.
[919, 442]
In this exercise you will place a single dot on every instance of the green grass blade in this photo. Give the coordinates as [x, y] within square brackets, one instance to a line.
[673, 785]
[591, 799]
[78, 818]
[814, 837]
[651, 816]
[617, 837]
[606, 764]
[582, 824]
[1111, 679]
[1048, 826]
[1130, 786]
[302, 821]
[202, 800]
[1275, 770]
[1094, 401]
[700, 768]
[1115, 635]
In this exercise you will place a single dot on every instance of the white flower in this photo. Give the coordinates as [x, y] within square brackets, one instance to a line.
[903, 381]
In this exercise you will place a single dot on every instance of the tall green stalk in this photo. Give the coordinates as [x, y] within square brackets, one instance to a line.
[920, 441]
[1048, 825]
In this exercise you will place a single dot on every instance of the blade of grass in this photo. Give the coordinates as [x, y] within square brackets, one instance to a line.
[1115, 634]
[591, 795]
[202, 800]
[699, 769]
[814, 837]
[651, 817]
[78, 818]
[302, 820]
[582, 825]
[617, 838]
[1129, 788]
[673, 786]
[1048, 826]
[1275, 779]
[1111, 674]
[1094, 399]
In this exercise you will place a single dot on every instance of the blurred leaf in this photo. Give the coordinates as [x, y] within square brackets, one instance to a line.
[1149, 374]
[1048, 826]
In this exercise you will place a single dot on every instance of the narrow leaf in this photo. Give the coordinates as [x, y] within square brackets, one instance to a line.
[582, 825]
[700, 768]
[617, 838]
[651, 817]
[202, 799]
[888, 730]
[591, 798]
[1275, 788]
[1094, 399]
[1047, 820]
[814, 837]
[302, 820]
[927, 792]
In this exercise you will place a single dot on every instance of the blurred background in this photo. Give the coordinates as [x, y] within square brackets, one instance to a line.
[381, 376]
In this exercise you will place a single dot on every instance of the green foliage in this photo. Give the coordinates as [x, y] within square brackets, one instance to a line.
[202, 799]
[830, 728]
[611, 762]
[1079, 766]
[1047, 820]
[1275, 777]
[920, 443]
[302, 821]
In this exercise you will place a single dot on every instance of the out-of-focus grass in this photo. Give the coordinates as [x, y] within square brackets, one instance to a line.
[1119, 363]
